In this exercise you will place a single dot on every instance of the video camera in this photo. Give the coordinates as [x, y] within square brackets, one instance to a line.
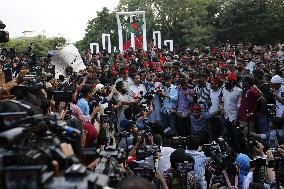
[144, 168]
[144, 151]
[28, 150]
[220, 156]
[109, 164]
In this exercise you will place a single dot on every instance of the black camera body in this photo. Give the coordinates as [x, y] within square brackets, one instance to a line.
[144, 168]
[144, 151]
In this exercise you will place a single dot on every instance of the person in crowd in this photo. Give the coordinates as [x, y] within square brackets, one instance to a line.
[83, 102]
[275, 135]
[202, 90]
[137, 90]
[176, 177]
[243, 163]
[170, 97]
[200, 161]
[125, 78]
[215, 124]
[252, 105]
[231, 98]
[265, 90]
[199, 126]
[278, 94]
[123, 101]
[183, 104]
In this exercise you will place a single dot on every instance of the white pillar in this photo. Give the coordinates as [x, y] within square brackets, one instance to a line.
[120, 36]
[159, 42]
[92, 47]
[104, 35]
[171, 42]
[132, 34]
[144, 32]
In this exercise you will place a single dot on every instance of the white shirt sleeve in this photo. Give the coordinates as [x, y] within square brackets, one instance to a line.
[247, 180]
[239, 98]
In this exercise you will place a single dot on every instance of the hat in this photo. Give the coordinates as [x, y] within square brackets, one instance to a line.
[243, 161]
[196, 108]
[232, 77]
[99, 86]
[146, 64]
[158, 69]
[152, 64]
[276, 79]
[125, 70]
[114, 72]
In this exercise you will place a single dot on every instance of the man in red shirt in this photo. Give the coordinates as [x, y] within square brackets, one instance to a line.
[252, 103]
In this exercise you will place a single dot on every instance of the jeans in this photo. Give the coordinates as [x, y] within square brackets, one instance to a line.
[262, 122]
[168, 120]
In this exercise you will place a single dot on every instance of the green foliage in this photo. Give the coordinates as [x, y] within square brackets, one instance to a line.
[105, 22]
[258, 21]
[41, 45]
[197, 22]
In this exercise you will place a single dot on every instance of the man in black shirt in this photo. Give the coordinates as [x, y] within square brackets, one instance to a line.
[263, 120]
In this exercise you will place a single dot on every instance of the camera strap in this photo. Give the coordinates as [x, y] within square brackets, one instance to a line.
[235, 186]
[21, 104]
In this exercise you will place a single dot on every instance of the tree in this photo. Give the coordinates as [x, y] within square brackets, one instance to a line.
[40, 47]
[198, 27]
[105, 22]
[257, 21]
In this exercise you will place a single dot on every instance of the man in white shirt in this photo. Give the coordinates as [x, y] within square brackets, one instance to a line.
[124, 100]
[170, 97]
[215, 126]
[124, 77]
[231, 101]
[137, 90]
[276, 84]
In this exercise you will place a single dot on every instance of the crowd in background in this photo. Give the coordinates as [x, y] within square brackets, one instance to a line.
[232, 91]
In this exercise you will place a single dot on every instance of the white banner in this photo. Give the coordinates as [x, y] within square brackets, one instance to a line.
[67, 56]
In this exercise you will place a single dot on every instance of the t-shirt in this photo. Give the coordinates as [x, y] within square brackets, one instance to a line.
[279, 106]
[198, 126]
[203, 94]
[120, 110]
[232, 101]
[249, 104]
[215, 101]
[135, 90]
[272, 137]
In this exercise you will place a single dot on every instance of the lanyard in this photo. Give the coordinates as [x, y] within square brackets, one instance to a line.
[229, 182]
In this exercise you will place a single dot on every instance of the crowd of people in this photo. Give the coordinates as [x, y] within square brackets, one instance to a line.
[231, 93]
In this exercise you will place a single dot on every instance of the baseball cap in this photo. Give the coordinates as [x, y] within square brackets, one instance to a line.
[276, 79]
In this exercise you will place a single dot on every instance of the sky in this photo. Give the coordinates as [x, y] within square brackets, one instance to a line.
[67, 18]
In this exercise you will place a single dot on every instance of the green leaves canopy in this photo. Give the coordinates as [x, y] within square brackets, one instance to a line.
[198, 22]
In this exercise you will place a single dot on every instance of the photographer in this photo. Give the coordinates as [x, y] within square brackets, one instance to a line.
[275, 135]
[181, 174]
[123, 101]
[200, 161]
[170, 97]
[273, 179]
[83, 102]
